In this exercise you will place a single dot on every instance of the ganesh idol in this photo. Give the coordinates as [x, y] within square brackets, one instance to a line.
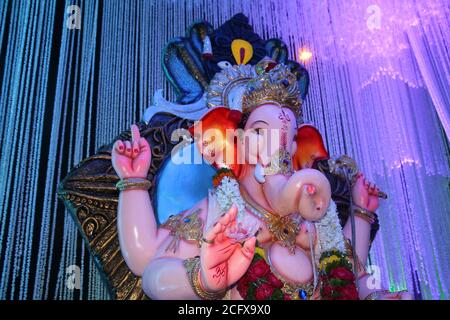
[279, 220]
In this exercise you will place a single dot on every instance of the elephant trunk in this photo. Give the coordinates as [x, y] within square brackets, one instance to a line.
[307, 192]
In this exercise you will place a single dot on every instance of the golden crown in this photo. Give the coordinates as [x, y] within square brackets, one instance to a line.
[278, 86]
[243, 87]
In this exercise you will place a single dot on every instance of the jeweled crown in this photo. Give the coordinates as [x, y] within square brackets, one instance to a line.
[278, 86]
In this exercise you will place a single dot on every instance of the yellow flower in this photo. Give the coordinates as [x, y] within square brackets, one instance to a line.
[328, 260]
[261, 252]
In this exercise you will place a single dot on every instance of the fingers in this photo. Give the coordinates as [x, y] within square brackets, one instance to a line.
[119, 146]
[375, 190]
[128, 149]
[143, 144]
[135, 146]
[373, 204]
[360, 181]
[243, 257]
[228, 217]
[371, 188]
[135, 135]
[226, 220]
[213, 232]
[249, 247]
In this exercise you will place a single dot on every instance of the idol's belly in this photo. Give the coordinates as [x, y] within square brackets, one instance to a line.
[295, 268]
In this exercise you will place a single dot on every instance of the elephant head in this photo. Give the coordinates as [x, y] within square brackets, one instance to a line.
[267, 144]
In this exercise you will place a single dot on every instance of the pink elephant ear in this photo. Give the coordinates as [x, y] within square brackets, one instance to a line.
[310, 147]
[210, 135]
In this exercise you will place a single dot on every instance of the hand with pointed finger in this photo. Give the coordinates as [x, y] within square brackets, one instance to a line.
[223, 260]
[131, 159]
[365, 194]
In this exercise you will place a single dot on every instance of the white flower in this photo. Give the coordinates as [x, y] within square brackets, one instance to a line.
[330, 232]
[227, 194]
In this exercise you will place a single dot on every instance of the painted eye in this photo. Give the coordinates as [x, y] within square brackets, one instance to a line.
[224, 64]
[258, 131]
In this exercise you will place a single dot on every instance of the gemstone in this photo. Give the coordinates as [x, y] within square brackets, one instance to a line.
[285, 82]
[286, 231]
[186, 220]
[302, 294]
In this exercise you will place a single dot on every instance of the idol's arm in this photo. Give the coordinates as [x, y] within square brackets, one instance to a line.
[136, 221]
[362, 237]
[138, 233]
[167, 279]
[365, 197]
[362, 241]
[222, 262]
[165, 276]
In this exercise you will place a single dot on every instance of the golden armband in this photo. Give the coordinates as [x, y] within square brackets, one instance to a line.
[192, 266]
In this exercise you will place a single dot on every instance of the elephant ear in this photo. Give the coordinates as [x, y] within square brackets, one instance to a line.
[212, 137]
[310, 147]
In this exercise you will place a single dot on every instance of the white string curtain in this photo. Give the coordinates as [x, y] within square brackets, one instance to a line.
[379, 93]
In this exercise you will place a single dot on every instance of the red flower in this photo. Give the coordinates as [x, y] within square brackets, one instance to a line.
[286, 297]
[274, 281]
[242, 287]
[348, 292]
[264, 291]
[342, 273]
[257, 270]
[327, 290]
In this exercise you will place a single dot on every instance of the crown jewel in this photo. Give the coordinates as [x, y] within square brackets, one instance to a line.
[245, 87]
[277, 86]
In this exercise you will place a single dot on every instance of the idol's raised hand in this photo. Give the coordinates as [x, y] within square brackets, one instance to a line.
[365, 194]
[223, 260]
[131, 159]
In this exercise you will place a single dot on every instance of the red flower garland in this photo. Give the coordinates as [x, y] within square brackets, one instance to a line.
[259, 283]
[337, 278]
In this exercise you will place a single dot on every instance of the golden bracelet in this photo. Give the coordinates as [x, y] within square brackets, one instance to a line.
[133, 183]
[192, 266]
[367, 215]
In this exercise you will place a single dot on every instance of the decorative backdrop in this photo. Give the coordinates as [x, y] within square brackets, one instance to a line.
[76, 73]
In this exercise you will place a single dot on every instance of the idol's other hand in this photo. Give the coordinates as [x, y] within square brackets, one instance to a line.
[131, 159]
[223, 260]
[365, 193]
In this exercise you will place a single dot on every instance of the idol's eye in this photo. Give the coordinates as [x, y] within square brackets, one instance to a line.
[224, 64]
[258, 131]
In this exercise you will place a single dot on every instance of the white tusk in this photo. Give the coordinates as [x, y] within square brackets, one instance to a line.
[259, 173]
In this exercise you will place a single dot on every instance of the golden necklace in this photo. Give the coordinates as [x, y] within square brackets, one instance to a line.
[283, 229]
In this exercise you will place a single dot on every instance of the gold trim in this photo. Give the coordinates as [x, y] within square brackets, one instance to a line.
[283, 229]
[192, 266]
[289, 288]
[188, 228]
[278, 85]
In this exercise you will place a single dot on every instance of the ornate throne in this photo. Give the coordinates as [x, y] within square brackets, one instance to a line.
[189, 63]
